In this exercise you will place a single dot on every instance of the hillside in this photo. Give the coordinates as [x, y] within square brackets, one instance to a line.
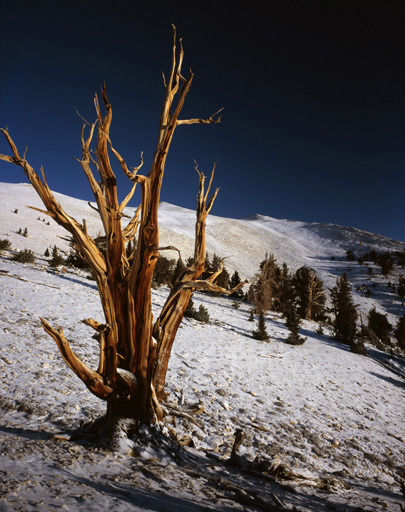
[332, 418]
[243, 242]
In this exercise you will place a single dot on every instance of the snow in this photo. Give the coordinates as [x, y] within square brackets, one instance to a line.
[323, 411]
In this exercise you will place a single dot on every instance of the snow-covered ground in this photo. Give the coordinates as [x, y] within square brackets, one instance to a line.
[327, 414]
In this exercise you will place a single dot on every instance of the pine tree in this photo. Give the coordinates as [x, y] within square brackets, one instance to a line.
[293, 323]
[178, 269]
[233, 282]
[56, 259]
[264, 292]
[202, 314]
[224, 277]
[379, 324]
[286, 290]
[401, 287]
[164, 269]
[5, 245]
[400, 332]
[345, 311]
[310, 294]
[261, 333]
[212, 266]
[190, 310]
[386, 263]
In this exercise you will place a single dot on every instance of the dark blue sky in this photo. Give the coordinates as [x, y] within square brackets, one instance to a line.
[313, 126]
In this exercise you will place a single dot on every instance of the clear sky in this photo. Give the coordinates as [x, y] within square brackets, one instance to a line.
[313, 93]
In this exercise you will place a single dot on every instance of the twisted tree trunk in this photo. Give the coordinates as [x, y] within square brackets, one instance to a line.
[134, 352]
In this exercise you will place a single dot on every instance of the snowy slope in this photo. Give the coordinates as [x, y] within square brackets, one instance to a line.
[325, 412]
[243, 242]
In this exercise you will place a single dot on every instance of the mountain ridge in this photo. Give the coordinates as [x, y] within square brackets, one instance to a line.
[243, 242]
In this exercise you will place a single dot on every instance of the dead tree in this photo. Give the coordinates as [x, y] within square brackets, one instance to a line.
[134, 351]
[316, 295]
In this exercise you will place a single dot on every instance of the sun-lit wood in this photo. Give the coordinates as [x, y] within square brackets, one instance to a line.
[134, 351]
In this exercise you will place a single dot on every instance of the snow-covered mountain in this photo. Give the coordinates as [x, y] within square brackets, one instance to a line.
[244, 242]
[334, 418]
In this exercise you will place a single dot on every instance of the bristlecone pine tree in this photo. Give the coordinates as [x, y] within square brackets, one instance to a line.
[310, 294]
[134, 351]
[345, 311]
[261, 333]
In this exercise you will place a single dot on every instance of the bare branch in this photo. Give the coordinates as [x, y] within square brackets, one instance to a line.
[82, 118]
[131, 228]
[120, 160]
[208, 285]
[54, 209]
[210, 183]
[93, 207]
[209, 120]
[91, 378]
[127, 199]
[92, 323]
[136, 169]
[171, 248]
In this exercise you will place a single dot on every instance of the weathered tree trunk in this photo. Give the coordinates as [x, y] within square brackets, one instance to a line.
[134, 352]
[315, 294]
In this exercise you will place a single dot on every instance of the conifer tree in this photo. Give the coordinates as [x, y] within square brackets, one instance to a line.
[213, 266]
[400, 332]
[310, 294]
[261, 333]
[293, 323]
[345, 311]
[265, 288]
[56, 259]
[379, 324]
[202, 314]
[224, 277]
[286, 290]
[164, 270]
[401, 287]
[386, 263]
[190, 310]
[234, 281]
[178, 269]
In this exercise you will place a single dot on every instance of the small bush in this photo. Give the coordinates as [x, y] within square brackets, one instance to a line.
[367, 335]
[202, 314]
[190, 310]
[320, 330]
[25, 256]
[22, 233]
[350, 255]
[5, 245]
[357, 347]
[74, 260]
